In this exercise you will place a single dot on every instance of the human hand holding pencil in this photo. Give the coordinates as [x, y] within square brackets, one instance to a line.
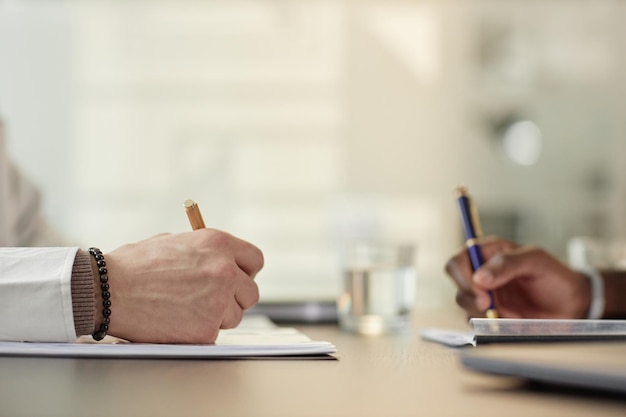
[183, 287]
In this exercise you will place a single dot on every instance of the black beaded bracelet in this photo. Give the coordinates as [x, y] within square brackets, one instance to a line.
[106, 295]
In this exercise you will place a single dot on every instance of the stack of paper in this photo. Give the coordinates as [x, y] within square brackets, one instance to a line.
[255, 337]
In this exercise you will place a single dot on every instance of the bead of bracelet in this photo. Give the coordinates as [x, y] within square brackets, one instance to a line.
[106, 294]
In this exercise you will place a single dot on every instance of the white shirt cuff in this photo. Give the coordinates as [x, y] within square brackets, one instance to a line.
[36, 294]
[596, 283]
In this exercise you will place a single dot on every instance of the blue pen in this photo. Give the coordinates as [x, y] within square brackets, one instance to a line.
[471, 227]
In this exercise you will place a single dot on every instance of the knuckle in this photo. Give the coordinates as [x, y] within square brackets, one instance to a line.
[213, 237]
[465, 299]
[224, 269]
[460, 298]
[450, 265]
[255, 296]
[533, 249]
[456, 270]
[260, 257]
[251, 298]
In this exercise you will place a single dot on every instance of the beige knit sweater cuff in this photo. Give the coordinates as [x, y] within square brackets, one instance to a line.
[83, 298]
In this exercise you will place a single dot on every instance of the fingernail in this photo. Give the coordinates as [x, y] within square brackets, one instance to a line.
[482, 302]
[483, 277]
[496, 260]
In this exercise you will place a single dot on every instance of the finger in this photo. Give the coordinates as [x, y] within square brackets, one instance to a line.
[247, 256]
[236, 285]
[469, 302]
[246, 295]
[246, 292]
[492, 245]
[232, 316]
[459, 266]
[459, 269]
[502, 268]
[482, 300]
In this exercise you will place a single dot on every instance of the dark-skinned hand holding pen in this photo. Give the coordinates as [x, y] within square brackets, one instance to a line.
[526, 282]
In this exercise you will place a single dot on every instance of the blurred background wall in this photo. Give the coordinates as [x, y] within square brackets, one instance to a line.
[302, 124]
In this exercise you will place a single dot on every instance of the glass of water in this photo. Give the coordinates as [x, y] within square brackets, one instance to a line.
[378, 290]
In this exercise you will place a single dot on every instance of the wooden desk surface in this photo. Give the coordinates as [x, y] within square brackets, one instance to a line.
[374, 376]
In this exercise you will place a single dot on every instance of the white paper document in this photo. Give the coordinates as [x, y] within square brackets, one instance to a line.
[452, 338]
[255, 337]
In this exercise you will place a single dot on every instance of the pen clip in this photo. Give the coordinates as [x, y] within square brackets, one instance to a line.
[474, 216]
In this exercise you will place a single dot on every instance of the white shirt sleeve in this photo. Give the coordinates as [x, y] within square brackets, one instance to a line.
[35, 294]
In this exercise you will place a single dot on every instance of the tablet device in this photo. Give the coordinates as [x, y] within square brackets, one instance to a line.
[590, 365]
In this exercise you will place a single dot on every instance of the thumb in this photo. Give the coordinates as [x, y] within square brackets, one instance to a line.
[503, 268]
